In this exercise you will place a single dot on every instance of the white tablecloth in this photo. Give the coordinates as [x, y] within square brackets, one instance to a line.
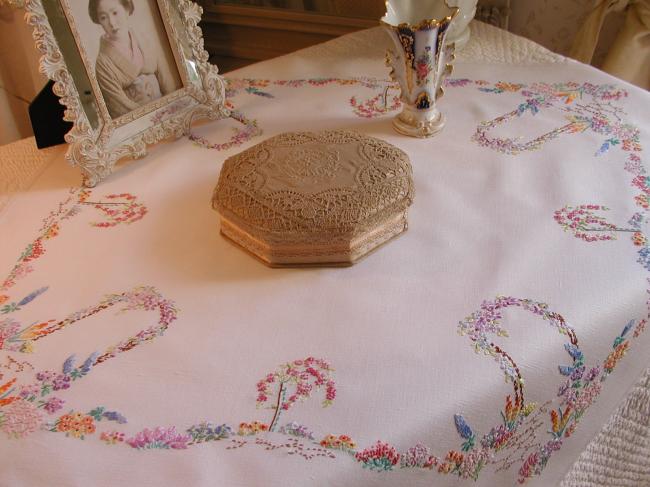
[472, 350]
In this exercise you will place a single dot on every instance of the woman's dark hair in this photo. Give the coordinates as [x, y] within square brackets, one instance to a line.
[93, 4]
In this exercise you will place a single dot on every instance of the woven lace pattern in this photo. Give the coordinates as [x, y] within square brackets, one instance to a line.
[282, 189]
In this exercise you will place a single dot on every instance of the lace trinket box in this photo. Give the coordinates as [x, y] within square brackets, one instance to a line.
[314, 199]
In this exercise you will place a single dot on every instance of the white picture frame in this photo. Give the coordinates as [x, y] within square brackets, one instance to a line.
[108, 127]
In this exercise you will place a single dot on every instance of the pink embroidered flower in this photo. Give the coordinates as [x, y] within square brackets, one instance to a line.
[160, 438]
[418, 456]
[304, 376]
[20, 418]
[29, 392]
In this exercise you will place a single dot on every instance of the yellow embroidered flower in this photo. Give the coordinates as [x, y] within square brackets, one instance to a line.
[52, 232]
[513, 87]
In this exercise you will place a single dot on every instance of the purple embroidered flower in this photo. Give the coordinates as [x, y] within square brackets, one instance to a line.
[114, 416]
[45, 376]
[564, 388]
[592, 374]
[61, 382]
[209, 432]
[577, 373]
[29, 392]
[53, 404]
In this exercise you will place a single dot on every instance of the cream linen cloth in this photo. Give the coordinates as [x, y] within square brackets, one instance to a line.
[141, 348]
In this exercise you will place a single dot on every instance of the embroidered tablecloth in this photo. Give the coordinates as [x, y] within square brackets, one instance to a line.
[486, 346]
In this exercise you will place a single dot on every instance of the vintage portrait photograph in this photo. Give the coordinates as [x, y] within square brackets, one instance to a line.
[126, 50]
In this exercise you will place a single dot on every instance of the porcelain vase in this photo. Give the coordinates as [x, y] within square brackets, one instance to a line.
[459, 31]
[420, 61]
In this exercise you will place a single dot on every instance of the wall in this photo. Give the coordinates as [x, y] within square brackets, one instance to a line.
[20, 80]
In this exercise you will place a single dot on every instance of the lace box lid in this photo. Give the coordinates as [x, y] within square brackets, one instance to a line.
[323, 198]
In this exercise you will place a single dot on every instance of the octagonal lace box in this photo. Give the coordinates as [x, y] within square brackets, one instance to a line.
[314, 199]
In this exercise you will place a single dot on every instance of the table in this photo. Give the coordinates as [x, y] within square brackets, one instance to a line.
[138, 347]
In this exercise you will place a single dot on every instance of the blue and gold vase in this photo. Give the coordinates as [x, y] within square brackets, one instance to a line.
[420, 61]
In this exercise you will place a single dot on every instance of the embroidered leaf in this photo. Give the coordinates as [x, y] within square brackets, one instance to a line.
[97, 413]
[565, 369]
[9, 308]
[69, 364]
[628, 327]
[30, 297]
[463, 428]
[255, 91]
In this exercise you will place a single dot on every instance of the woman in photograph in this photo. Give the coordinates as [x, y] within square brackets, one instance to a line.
[130, 72]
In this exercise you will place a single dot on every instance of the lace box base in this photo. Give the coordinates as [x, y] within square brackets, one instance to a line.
[317, 253]
[314, 199]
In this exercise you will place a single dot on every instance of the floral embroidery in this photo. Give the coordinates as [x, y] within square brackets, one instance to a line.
[117, 212]
[50, 229]
[298, 373]
[77, 425]
[112, 437]
[169, 111]
[418, 456]
[380, 456]
[585, 224]
[13, 307]
[513, 441]
[251, 429]
[20, 418]
[375, 106]
[487, 320]
[205, 431]
[299, 430]
[6, 390]
[598, 116]
[159, 438]
[141, 298]
[241, 135]
[502, 87]
[53, 404]
[341, 442]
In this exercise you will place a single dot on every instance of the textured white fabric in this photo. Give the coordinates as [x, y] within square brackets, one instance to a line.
[620, 455]
[482, 225]
[20, 163]
[487, 43]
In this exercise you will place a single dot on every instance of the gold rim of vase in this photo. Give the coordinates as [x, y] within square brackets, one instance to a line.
[422, 24]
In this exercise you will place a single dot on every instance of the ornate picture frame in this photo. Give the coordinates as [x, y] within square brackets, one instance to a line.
[111, 122]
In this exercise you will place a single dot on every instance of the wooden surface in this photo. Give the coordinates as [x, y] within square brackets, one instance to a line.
[236, 36]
